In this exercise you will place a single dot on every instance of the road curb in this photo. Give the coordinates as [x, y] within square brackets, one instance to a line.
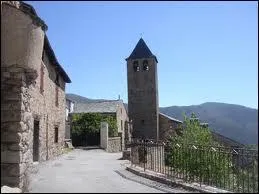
[175, 183]
[146, 184]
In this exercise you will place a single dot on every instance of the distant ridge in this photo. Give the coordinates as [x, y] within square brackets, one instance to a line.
[81, 99]
[236, 122]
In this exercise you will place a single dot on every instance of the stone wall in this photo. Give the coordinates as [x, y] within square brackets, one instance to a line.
[143, 99]
[114, 144]
[12, 3]
[49, 115]
[16, 127]
[110, 144]
[22, 102]
[122, 119]
[127, 132]
[21, 42]
[68, 130]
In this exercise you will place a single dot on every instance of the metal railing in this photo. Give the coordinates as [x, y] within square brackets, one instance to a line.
[231, 169]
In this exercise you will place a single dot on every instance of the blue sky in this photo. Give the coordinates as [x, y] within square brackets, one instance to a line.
[207, 51]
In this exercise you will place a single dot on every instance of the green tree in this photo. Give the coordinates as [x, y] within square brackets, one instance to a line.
[197, 156]
[194, 133]
[89, 123]
[112, 123]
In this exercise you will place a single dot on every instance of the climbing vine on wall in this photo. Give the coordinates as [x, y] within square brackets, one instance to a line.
[89, 123]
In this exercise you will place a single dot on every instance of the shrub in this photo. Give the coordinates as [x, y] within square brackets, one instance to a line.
[89, 123]
[195, 153]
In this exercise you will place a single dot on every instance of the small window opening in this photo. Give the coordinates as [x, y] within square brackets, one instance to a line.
[56, 100]
[56, 135]
[145, 66]
[143, 122]
[136, 66]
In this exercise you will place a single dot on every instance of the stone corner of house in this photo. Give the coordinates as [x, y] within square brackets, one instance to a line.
[6, 189]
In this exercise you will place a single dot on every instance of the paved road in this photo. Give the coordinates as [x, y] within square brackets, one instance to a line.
[91, 171]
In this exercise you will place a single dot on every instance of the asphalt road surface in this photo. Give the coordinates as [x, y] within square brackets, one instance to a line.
[91, 171]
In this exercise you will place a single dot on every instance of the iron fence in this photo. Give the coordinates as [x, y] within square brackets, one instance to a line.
[232, 169]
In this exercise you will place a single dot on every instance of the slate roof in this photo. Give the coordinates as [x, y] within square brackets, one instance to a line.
[54, 60]
[140, 51]
[171, 118]
[27, 8]
[97, 107]
[226, 140]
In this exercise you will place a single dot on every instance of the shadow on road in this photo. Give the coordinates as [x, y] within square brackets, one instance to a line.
[88, 147]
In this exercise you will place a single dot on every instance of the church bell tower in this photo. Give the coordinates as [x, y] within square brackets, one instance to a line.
[143, 108]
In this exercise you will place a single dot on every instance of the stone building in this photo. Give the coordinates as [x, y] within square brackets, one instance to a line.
[143, 106]
[168, 126]
[113, 108]
[32, 94]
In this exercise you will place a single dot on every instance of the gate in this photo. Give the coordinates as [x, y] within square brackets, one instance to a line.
[92, 139]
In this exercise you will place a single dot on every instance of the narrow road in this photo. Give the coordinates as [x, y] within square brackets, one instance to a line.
[90, 171]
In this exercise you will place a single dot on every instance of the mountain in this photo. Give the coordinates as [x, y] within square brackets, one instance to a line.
[237, 122]
[80, 99]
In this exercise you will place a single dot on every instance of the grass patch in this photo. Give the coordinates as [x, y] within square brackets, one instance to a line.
[67, 150]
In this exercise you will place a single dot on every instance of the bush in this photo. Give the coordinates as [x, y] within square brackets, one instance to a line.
[195, 152]
[89, 123]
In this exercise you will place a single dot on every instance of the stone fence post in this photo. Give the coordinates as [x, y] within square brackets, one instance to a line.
[104, 135]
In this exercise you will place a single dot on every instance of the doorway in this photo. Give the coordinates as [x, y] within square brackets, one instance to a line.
[36, 129]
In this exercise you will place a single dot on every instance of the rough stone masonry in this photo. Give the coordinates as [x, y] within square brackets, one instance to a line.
[32, 94]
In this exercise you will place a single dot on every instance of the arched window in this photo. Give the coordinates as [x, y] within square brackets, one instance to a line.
[136, 66]
[145, 65]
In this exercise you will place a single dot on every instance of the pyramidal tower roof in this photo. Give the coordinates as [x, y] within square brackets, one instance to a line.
[141, 50]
